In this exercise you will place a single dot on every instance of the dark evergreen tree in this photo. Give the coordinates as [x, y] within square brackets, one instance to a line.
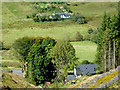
[108, 51]
[40, 66]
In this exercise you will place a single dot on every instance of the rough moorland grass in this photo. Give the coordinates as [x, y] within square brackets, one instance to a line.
[95, 10]
[85, 50]
[7, 55]
[17, 11]
[66, 32]
[15, 81]
[14, 11]
[11, 64]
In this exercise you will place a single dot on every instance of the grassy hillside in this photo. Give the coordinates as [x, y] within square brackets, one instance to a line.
[94, 11]
[14, 81]
[15, 25]
[91, 81]
[67, 31]
[85, 50]
[15, 11]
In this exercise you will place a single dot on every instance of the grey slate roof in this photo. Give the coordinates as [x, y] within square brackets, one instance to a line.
[86, 69]
[87, 65]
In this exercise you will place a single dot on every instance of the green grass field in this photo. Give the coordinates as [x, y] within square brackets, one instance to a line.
[94, 11]
[55, 32]
[13, 12]
[15, 25]
[85, 50]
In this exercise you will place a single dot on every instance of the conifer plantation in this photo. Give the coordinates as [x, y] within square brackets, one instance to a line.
[108, 51]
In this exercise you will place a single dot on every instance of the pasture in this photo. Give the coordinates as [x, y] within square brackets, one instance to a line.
[66, 32]
[94, 11]
[85, 50]
[15, 25]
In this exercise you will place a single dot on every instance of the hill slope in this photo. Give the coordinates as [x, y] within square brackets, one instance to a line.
[15, 81]
[17, 11]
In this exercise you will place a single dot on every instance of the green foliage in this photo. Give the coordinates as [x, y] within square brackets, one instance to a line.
[40, 67]
[81, 21]
[85, 62]
[21, 47]
[87, 37]
[63, 56]
[3, 65]
[108, 42]
[3, 47]
[79, 18]
[56, 17]
[78, 37]
[11, 64]
[94, 38]
[90, 31]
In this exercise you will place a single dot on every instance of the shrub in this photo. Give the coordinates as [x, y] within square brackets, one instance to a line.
[28, 16]
[9, 71]
[70, 11]
[3, 65]
[99, 72]
[1, 44]
[33, 14]
[81, 21]
[75, 4]
[78, 18]
[3, 47]
[56, 17]
[87, 37]
[36, 19]
[91, 74]
[78, 37]
[85, 62]
[19, 66]
[90, 31]
[94, 38]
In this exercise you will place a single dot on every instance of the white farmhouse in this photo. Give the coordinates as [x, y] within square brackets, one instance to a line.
[63, 15]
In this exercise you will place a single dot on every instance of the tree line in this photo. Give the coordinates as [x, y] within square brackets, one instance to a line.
[44, 59]
[108, 51]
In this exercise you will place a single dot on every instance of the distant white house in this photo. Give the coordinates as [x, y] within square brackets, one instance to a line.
[63, 15]
[61, 7]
